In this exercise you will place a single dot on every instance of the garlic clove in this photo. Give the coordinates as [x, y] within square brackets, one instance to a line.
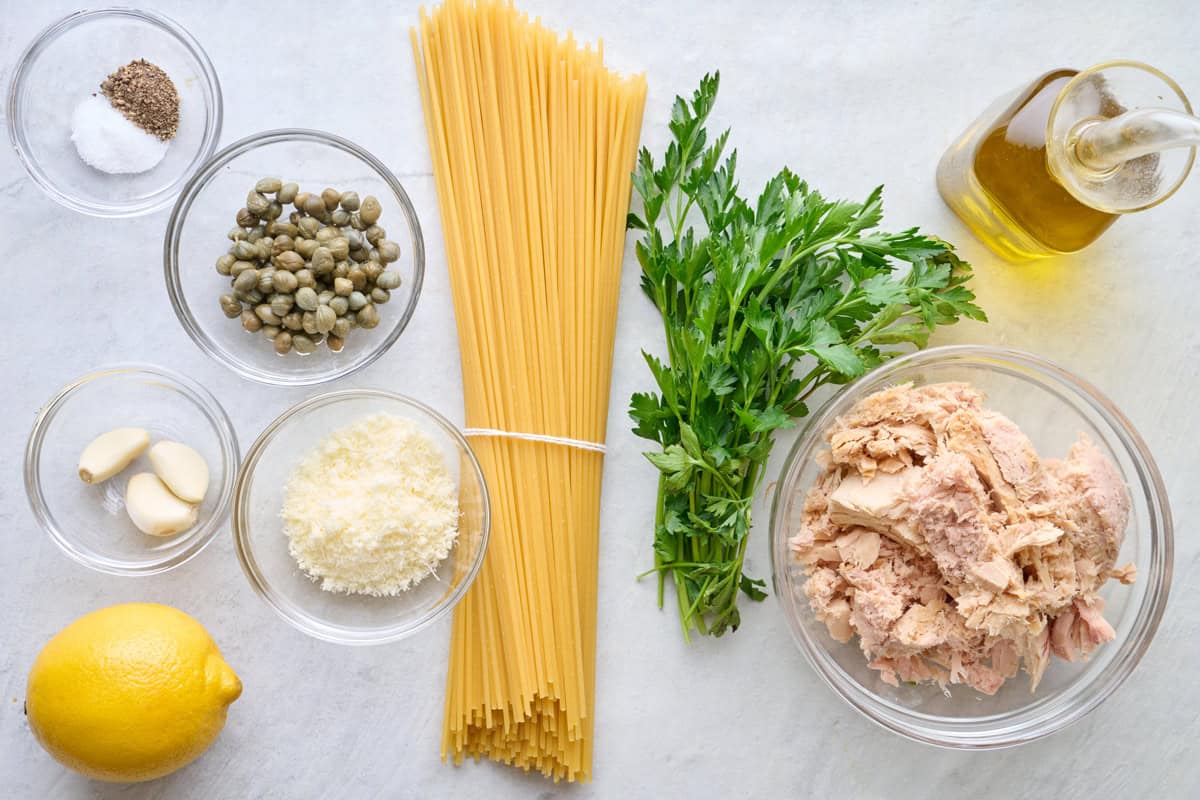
[154, 509]
[111, 452]
[182, 469]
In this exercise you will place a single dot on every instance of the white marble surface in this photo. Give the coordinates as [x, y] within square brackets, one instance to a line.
[850, 95]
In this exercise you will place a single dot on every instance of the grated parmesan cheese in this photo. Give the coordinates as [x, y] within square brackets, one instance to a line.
[372, 509]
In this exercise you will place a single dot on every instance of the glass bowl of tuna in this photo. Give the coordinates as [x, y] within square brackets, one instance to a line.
[361, 516]
[110, 110]
[972, 546]
[130, 469]
[294, 257]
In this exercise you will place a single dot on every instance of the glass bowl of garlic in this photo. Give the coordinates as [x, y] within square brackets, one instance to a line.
[115, 463]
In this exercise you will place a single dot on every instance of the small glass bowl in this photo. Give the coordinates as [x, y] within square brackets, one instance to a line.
[1052, 407]
[262, 545]
[65, 64]
[89, 522]
[197, 235]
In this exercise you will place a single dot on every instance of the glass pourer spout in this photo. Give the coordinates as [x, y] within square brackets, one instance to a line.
[1121, 137]
[1103, 146]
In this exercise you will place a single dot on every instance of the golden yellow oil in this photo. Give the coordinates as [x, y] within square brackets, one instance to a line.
[996, 178]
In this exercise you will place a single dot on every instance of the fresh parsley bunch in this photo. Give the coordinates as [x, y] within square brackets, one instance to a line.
[769, 302]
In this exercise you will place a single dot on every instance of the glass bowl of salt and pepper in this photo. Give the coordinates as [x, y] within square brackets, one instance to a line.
[111, 111]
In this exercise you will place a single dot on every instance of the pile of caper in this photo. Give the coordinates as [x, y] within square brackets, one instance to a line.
[313, 278]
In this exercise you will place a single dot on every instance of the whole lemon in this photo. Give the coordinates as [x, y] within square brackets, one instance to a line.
[129, 693]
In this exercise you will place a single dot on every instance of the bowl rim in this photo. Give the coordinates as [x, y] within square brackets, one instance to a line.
[157, 201]
[209, 406]
[201, 178]
[997, 730]
[307, 623]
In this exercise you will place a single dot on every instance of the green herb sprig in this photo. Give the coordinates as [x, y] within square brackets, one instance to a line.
[766, 304]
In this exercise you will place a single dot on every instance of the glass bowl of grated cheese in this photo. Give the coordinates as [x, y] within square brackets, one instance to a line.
[361, 516]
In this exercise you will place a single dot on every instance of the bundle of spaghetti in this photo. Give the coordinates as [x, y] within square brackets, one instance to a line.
[533, 142]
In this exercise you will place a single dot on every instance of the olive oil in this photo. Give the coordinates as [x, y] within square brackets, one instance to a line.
[997, 179]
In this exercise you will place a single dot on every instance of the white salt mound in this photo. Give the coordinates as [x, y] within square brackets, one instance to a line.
[109, 142]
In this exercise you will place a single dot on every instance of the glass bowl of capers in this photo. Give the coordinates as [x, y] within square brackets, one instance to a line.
[278, 262]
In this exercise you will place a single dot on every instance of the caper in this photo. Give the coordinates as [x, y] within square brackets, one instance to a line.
[268, 186]
[372, 269]
[253, 297]
[289, 260]
[325, 317]
[254, 234]
[370, 210]
[301, 200]
[341, 328]
[309, 227]
[375, 234]
[271, 331]
[277, 228]
[287, 192]
[268, 316]
[306, 247]
[281, 304]
[349, 201]
[256, 204]
[283, 343]
[322, 261]
[308, 322]
[286, 282]
[246, 250]
[282, 244]
[237, 233]
[246, 281]
[341, 269]
[389, 251]
[356, 222]
[225, 264]
[324, 297]
[352, 318]
[266, 280]
[250, 321]
[239, 267]
[340, 248]
[306, 298]
[388, 279]
[331, 198]
[342, 286]
[230, 305]
[292, 320]
[358, 279]
[302, 344]
[245, 219]
[273, 212]
[368, 317]
[317, 338]
[340, 305]
[360, 255]
[356, 300]
[380, 296]
[295, 217]
[339, 217]
[335, 343]
[304, 278]
[354, 239]
[315, 206]
[327, 234]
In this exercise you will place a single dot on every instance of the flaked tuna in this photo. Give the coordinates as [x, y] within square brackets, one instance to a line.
[939, 537]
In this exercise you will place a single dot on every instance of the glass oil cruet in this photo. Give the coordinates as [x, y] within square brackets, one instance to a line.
[1046, 171]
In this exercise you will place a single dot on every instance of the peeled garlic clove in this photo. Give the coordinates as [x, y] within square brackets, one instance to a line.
[182, 469]
[154, 509]
[111, 452]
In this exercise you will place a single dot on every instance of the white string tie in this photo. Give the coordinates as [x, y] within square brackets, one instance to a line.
[537, 437]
